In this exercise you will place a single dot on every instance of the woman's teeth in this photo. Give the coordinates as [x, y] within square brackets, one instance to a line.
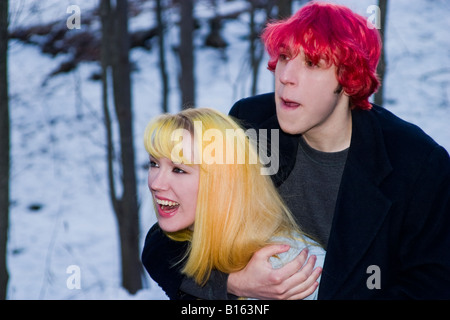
[167, 204]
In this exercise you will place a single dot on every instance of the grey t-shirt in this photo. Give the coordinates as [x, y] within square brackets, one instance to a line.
[311, 189]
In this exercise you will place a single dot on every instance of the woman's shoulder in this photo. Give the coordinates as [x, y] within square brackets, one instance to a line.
[297, 243]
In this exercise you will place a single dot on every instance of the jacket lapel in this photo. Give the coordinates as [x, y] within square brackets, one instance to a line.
[287, 146]
[361, 206]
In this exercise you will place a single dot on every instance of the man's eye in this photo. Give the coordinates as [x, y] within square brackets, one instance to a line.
[283, 57]
[311, 64]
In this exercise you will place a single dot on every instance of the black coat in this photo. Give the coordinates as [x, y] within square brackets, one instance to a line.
[391, 227]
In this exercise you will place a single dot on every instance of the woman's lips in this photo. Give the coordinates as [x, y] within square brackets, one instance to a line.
[166, 213]
[166, 208]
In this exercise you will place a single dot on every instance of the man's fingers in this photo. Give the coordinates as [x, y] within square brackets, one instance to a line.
[306, 293]
[271, 250]
[309, 265]
[297, 279]
[308, 286]
[277, 276]
[296, 264]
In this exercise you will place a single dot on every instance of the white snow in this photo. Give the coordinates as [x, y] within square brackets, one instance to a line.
[58, 138]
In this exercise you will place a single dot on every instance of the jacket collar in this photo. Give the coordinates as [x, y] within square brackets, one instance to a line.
[367, 149]
[287, 148]
[361, 206]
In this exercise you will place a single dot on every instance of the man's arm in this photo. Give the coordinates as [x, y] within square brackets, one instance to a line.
[214, 289]
[294, 281]
[425, 254]
[161, 258]
[259, 280]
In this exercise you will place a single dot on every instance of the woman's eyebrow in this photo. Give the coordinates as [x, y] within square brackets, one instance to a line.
[181, 163]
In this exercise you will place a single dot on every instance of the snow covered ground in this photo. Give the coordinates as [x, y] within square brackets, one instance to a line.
[60, 212]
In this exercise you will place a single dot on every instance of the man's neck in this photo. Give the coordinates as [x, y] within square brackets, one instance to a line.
[335, 133]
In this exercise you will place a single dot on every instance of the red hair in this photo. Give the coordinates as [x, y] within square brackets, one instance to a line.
[337, 35]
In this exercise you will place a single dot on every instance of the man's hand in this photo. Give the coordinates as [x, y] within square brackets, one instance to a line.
[296, 280]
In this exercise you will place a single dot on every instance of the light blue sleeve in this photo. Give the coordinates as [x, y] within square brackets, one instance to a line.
[296, 246]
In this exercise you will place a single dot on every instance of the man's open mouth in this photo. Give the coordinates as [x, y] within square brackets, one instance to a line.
[289, 103]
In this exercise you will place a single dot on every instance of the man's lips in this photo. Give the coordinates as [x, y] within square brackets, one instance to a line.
[289, 104]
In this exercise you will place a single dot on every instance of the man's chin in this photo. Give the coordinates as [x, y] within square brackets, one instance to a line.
[289, 128]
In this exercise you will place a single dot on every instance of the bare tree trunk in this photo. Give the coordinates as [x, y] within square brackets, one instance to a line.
[162, 59]
[115, 55]
[381, 69]
[4, 148]
[256, 47]
[253, 59]
[284, 8]
[187, 81]
[107, 32]
[127, 215]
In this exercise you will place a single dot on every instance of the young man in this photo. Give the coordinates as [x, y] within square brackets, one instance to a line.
[371, 188]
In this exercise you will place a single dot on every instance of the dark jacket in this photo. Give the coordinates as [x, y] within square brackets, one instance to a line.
[390, 236]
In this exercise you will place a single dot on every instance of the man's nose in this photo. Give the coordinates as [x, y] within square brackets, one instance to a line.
[288, 74]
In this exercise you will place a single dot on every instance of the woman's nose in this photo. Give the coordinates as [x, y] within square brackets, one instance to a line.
[157, 180]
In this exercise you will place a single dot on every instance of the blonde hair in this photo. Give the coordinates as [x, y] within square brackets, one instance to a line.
[238, 210]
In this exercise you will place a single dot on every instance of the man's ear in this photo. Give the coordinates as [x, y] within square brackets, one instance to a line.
[338, 90]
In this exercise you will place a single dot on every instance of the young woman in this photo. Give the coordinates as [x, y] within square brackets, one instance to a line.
[207, 187]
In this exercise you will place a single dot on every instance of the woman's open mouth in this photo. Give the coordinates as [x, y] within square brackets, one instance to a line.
[166, 207]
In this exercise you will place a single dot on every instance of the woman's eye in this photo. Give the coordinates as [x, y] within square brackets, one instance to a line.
[153, 164]
[178, 170]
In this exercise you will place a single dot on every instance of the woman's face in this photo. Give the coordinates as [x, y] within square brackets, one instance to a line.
[174, 187]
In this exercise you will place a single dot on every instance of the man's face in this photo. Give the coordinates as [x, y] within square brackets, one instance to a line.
[305, 95]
